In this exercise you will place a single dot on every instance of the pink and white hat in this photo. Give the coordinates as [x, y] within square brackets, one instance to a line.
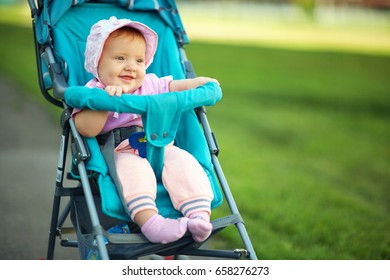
[100, 32]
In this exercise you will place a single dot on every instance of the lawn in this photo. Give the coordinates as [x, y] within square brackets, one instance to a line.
[304, 143]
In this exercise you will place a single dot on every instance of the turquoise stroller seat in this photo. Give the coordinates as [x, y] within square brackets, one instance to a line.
[61, 29]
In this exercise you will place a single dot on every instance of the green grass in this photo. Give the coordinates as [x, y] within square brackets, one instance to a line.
[17, 55]
[18, 63]
[304, 143]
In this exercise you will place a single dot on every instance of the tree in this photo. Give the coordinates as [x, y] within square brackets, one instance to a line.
[307, 5]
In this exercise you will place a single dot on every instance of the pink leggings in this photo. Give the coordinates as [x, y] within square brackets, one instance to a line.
[183, 177]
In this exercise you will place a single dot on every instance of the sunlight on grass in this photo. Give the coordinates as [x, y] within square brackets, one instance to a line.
[243, 27]
[298, 37]
[218, 24]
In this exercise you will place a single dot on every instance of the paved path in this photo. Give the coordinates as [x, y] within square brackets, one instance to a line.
[28, 159]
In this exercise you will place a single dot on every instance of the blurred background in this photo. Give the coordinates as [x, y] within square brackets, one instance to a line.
[303, 126]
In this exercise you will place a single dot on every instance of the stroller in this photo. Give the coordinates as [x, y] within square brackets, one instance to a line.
[101, 226]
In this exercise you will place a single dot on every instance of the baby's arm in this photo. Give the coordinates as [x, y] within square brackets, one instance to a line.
[90, 122]
[179, 85]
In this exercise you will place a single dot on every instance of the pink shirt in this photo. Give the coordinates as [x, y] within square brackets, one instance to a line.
[152, 85]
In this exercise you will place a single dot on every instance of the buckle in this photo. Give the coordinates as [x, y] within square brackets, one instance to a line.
[120, 134]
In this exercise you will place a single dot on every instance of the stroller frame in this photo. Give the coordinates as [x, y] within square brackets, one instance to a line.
[138, 245]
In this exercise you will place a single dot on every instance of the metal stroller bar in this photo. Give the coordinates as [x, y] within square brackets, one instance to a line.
[214, 150]
[97, 229]
[57, 196]
[82, 155]
[233, 208]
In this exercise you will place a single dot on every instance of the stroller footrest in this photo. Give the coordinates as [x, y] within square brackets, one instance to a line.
[223, 254]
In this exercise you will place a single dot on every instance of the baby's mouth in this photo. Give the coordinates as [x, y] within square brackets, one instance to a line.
[126, 78]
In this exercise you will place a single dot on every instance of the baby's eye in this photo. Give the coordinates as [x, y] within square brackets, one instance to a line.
[140, 60]
[119, 58]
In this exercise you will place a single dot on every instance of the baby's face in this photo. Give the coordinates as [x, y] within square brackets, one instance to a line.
[122, 62]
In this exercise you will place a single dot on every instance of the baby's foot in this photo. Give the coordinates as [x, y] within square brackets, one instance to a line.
[163, 230]
[200, 227]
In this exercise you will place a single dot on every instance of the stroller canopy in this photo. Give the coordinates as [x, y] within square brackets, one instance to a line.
[52, 11]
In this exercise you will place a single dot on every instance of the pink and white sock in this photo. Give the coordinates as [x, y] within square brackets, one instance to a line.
[163, 230]
[199, 225]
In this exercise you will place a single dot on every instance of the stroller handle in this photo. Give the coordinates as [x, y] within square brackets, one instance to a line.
[160, 113]
[97, 99]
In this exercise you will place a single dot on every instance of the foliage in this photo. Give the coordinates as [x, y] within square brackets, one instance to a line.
[307, 5]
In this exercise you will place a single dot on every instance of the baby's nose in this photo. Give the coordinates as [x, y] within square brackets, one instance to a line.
[130, 66]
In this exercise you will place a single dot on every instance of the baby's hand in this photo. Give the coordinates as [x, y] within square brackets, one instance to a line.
[114, 90]
[204, 80]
